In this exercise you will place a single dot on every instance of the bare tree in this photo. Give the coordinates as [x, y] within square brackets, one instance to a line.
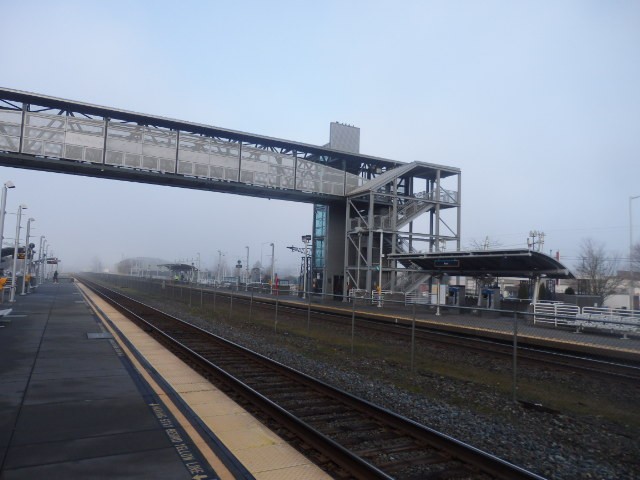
[485, 244]
[597, 271]
[124, 266]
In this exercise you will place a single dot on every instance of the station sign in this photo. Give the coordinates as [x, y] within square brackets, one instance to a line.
[447, 262]
[52, 261]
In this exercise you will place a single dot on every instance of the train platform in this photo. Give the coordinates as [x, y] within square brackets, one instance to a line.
[490, 324]
[614, 344]
[84, 393]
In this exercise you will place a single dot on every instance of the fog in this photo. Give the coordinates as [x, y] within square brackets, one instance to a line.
[537, 103]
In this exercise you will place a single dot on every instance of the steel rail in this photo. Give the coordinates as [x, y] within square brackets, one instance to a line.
[442, 448]
[565, 359]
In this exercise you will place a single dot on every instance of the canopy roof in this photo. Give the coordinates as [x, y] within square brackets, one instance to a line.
[497, 263]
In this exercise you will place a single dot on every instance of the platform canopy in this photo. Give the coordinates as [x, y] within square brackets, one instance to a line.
[482, 263]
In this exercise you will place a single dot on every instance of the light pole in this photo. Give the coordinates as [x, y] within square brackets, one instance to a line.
[53, 258]
[27, 262]
[246, 283]
[16, 245]
[221, 272]
[3, 205]
[219, 265]
[272, 267]
[631, 285]
[44, 260]
[38, 270]
[48, 253]
[41, 262]
[306, 239]
[198, 272]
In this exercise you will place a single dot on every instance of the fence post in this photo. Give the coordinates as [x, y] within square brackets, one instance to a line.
[251, 305]
[353, 323]
[515, 356]
[308, 311]
[190, 291]
[231, 304]
[275, 325]
[413, 336]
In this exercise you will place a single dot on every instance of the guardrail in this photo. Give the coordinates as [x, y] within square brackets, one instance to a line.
[594, 318]
[420, 298]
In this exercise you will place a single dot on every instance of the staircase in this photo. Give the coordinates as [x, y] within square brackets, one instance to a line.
[410, 279]
[412, 207]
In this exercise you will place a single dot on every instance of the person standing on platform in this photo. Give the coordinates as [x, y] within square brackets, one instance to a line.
[55, 276]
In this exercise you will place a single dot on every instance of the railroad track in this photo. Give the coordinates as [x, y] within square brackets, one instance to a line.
[593, 364]
[348, 437]
[596, 365]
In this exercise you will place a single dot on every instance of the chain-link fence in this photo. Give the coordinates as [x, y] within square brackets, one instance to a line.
[468, 346]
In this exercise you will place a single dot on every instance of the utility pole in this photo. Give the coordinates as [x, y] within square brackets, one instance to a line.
[532, 243]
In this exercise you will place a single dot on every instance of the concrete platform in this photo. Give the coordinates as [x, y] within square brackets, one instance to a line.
[85, 393]
[226, 433]
[73, 406]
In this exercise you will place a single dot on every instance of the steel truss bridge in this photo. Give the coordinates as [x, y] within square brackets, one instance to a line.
[365, 206]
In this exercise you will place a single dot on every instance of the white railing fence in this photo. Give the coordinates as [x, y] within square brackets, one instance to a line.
[596, 318]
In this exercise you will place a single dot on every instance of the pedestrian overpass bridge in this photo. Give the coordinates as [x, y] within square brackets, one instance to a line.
[365, 206]
[46, 133]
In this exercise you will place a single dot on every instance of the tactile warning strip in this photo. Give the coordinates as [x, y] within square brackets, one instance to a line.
[263, 453]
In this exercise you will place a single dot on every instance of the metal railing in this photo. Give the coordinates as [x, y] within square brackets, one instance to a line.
[603, 319]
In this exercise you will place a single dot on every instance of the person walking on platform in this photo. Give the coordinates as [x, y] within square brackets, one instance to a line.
[55, 276]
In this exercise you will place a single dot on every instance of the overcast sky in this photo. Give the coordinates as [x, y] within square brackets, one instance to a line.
[538, 104]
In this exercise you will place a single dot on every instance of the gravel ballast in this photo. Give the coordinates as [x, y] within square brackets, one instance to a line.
[550, 444]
